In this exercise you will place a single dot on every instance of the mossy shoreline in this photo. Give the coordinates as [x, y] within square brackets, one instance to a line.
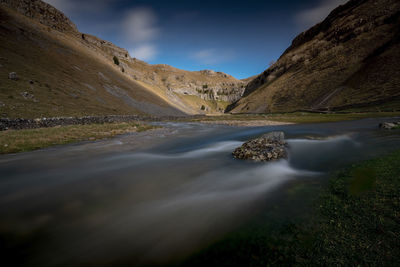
[355, 221]
[14, 141]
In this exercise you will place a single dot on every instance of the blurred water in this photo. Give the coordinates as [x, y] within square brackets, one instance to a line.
[149, 198]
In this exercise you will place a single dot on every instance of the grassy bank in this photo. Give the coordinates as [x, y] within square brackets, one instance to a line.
[298, 117]
[12, 141]
[355, 222]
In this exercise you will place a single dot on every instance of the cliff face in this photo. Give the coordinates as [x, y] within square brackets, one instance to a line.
[206, 84]
[190, 91]
[350, 60]
[42, 12]
[103, 47]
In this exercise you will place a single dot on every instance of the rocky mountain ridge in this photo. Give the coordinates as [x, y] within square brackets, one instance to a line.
[54, 73]
[349, 60]
[191, 91]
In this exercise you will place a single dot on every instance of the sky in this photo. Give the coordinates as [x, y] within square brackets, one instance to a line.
[240, 38]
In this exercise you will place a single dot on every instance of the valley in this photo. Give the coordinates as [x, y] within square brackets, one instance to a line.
[109, 160]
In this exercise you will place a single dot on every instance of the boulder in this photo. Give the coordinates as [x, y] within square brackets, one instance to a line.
[389, 125]
[13, 76]
[29, 96]
[270, 146]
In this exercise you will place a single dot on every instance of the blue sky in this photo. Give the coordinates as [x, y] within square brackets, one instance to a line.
[240, 38]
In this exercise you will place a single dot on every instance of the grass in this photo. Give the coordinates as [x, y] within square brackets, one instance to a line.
[301, 117]
[12, 141]
[196, 103]
[355, 222]
[298, 117]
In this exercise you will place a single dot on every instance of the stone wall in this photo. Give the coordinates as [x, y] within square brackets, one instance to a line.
[18, 124]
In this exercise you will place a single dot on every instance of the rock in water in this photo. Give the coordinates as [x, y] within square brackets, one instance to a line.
[270, 146]
[389, 125]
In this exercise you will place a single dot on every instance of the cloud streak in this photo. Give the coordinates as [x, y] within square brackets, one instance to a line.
[212, 56]
[144, 52]
[140, 25]
[312, 16]
[139, 30]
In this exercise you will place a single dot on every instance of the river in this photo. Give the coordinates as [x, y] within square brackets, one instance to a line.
[154, 197]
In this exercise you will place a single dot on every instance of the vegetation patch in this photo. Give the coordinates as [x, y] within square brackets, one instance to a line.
[116, 60]
[12, 141]
[297, 117]
[356, 222]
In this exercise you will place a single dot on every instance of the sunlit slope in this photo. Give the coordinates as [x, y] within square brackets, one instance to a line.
[59, 75]
[351, 60]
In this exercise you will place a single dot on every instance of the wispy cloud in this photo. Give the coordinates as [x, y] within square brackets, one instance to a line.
[311, 16]
[140, 25]
[139, 30]
[212, 56]
[144, 52]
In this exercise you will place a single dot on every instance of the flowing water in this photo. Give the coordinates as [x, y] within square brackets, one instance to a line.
[154, 197]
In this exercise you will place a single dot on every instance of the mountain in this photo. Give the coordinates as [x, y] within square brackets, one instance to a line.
[349, 61]
[63, 72]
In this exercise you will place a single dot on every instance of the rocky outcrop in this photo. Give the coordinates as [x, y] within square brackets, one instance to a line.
[42, 12]
[270, 146]
[351, 59]
[390, 125]
[206, 84]
[108, 48]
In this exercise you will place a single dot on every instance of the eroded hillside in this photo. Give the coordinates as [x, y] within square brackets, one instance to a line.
[350, 60]
[62, 72]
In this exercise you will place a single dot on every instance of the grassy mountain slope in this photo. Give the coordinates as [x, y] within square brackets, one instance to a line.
[58, 76]
[351, 60]
[62, 72]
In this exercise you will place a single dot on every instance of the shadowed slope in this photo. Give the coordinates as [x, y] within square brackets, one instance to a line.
[350, 60]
